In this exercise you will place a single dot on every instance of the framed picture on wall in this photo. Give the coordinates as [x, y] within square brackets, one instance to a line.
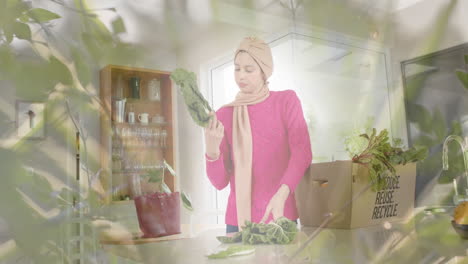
[30, 120]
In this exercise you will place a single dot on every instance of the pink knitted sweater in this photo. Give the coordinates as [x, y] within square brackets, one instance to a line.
[281, 153]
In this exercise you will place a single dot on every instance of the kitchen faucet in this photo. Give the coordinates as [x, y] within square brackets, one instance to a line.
[445, 165]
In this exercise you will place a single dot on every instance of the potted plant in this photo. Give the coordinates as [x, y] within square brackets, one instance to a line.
[159, 212]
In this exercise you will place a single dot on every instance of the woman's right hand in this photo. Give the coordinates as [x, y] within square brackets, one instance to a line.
[214, 133]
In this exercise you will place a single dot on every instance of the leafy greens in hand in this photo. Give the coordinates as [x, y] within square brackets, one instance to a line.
[197, 105]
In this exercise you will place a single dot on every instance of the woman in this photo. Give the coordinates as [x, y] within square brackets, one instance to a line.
[259, 143]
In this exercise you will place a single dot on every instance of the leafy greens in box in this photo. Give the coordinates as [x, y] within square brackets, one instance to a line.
[379, 157]
[281, 231]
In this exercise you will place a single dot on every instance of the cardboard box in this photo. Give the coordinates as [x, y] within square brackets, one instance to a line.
[337, 187]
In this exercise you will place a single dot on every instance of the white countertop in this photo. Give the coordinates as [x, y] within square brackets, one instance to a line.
[424, 241]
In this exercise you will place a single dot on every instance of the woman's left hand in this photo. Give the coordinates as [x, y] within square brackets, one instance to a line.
[276, 204]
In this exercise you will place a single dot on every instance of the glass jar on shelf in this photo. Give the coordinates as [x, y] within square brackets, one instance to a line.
[154, 90]
[119, 88]
[134, 84]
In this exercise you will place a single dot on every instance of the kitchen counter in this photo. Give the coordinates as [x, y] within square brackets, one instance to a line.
[424, 239]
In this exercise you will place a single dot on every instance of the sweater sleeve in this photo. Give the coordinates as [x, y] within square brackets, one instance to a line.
[220, 170]
[299, 142]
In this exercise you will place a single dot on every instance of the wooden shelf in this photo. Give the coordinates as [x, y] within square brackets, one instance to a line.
[139, 171]
[143, 148]
[122, 202]
[142, 101]
[111, 77]
[140, 125]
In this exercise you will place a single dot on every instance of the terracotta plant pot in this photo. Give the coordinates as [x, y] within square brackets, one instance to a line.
[158, 214]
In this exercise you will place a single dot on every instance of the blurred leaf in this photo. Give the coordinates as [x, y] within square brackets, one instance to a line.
[66, 196]
[80, 100]
[169, 168]
[463, 77]
[425, 140]
[39, 82]
[7, 58]
[414, 84]
[8, 32]
[125, 53]
[42, 15]
[84, 74]
[438, 29]
[186, 201]
[29, 230]
[438, 125]
[118, 26]
[466, 59]
[456, 128]
[42, 187]
[154, 175]
[165, 188]
[101, 44]
[21, 30]
[24, 18]
[59, 71]
[94, 27]
[420, 115]
[397, 142]
[236, 250]
[92, 46]
[446, 177]
[15, 8]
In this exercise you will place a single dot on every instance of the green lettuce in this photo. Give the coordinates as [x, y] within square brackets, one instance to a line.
[281, 231]
[197, 105]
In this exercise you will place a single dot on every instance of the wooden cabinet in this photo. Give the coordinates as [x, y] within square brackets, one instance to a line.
[130, 150]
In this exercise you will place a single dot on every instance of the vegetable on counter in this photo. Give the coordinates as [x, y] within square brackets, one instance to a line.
[281, 231]
[379, 156]
[198, 106]
[236, 250]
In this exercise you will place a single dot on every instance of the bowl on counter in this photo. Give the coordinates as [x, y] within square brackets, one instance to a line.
[462, 230]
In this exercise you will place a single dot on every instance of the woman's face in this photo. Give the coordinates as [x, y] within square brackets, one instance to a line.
[249, 77]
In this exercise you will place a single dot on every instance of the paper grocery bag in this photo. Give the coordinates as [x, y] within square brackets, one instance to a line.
[336, 187]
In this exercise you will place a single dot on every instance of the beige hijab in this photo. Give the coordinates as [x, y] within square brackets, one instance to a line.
[241, 131]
